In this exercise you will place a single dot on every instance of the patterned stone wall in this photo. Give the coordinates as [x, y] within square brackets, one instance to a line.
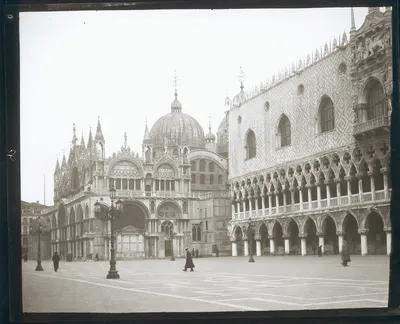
[321, 78]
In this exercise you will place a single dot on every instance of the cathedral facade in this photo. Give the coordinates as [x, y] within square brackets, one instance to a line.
[312, 150]
[174, 193]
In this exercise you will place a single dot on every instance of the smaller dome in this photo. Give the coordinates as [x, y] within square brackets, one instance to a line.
[176, 106]
[210, 137]
[240, 98]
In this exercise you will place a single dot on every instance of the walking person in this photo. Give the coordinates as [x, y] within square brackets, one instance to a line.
[345, 253]
[197, 253]
[56, 261]
[189, 261]
[320, 251]
[193, 253]
[97, 257]
[217, 251]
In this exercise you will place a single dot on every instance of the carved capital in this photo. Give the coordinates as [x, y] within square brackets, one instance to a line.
[363, 231]
[388, 229]
[320, 234]
[327, 182]
[348, 178]
[336, 180]
[257, 237]
[286, 237]
[384, 171]
[359, 176]
[339, 233]
[371, 173]
[303, 235]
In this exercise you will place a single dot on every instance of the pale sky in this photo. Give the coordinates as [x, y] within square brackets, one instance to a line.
[119, 65]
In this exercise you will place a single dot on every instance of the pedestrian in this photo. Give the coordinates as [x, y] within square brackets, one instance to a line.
[189, 261]
[345, 253]
[56, 261]
[25, 257]
[197, 253]
[217, 251]
[193, 253]
[320, 251]
[97, 257]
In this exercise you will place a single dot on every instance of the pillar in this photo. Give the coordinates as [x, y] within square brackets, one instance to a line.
[234, 249]
[321, 242]
[388, 242]
[340, 238]
[284, 200]
[292, 198]
[319, 195]
[246, 248]
[364, 242]
[258, 248]
[303, 245]
[348, 179]
[385, 183]
[270, 203]
[287, 245]
[337, 181]
[250, 205]
[360, 187]
[276, 202]
[263, 204]
[372, 179]
[300, 197]
[84, 249]
[271, 246]
[309, 197]
[328, 193]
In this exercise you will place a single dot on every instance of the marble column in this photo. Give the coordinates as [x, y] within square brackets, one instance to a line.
[364, 241]
[276, 202]
[319, 194]
[360, 187]
[337, 181]
[287, 244]
[258, 247]
[271, 246]
[300, 197]
[292, 198]
[263, 204]
[385, 183]
[250, 205]
[303, 244]
[328, 193]
[246, 247]
[309, 197]
[284, 200]
[84, 249]
[340, 238]
[270, 203]
[388, 241]
[321, 241]
[371, 175]
[348, 179]
[234, 249]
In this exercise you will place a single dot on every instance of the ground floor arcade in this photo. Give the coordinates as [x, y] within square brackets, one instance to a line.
[366, 231]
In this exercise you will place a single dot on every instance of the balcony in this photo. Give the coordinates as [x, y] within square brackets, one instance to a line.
[380, 124]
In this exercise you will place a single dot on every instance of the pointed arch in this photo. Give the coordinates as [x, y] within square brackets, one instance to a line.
[373, 95]
[325, 115]
[251, 144]
[284, 132]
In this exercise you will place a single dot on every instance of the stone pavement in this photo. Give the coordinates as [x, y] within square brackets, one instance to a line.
[217, 284]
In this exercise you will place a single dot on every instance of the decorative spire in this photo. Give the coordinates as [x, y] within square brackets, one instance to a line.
[227, 100]
[125, 140]
[57, 166]
[82, 141]
[90, 140]
[64, 161]
[209, 124]
[99, 134]
[176, 106]
[146, 137]
[241, 78]
[74, 139]
[353, 24]
[210, 137]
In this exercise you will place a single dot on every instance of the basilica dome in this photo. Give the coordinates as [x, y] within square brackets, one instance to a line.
[178, 128]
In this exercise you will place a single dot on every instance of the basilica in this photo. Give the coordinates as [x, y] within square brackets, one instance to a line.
[174, 193]
[312, 150]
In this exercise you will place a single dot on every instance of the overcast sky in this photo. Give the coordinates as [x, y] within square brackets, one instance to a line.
[119, 65]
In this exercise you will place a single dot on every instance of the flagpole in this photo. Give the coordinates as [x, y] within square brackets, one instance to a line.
[44, 189]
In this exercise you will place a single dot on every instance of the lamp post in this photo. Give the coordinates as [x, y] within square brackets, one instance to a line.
[37, 230]
[250, 234]
[172, 243]
[110, 213]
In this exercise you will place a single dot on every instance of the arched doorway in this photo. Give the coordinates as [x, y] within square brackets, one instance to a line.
[376, 237]
[130, 231]
[331, 245]
[312, 239]
[278, 239]
[264, 239]
[167, 228]
[294, 240]
[239, 240]
[350, 233]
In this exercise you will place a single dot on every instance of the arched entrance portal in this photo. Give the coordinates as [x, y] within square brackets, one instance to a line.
[130, 232]
[278, 238]
[264, 239]
[294, 240]
[168, 229]
[331, 245]
[376, 237]
[350, 233]
[239, 240]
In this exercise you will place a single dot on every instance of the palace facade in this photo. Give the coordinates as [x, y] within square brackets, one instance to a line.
[312, 150]
[174, 193]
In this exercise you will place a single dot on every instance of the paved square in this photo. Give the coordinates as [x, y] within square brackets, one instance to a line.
[217, 284]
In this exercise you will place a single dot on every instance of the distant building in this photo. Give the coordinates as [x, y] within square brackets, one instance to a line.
[175, 193]
[312, 150]
[29, 242]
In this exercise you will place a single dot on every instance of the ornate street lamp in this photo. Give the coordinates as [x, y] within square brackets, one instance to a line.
[110, 213]
[173, 234]
[250, 234]
[37, 230]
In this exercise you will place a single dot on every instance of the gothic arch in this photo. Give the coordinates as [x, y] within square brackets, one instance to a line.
[303, 228]
[344, 216]
[364, 91]
[140, 204]
[367, 213]
[87, 211]
[62, 216]
[166, 159]
[283, 131]
[287, 224]
[79, 213]
[170, 202]
[250, 144]
[72, 217]
[325, 218]
[322, 125]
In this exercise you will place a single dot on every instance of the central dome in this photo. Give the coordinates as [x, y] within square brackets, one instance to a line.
[178, 128]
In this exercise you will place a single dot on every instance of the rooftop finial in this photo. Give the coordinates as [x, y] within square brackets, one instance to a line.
[209, 123]
[353, 24]
[125, 140]
[176, 83]
[241, 78]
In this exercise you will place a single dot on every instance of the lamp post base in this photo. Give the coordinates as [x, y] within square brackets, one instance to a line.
[113, 274]
[251, 258]
[39, 266]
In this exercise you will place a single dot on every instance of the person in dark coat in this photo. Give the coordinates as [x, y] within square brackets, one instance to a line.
[320, 251]
[97, 257]
[193, 253]
[217, 251]
[56, 261]
[197, 253]
[345, 253]
[189, 261]
[26, 257]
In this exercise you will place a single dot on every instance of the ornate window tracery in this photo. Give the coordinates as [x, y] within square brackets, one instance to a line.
[168, 228]
[196, 233]
[251, 146]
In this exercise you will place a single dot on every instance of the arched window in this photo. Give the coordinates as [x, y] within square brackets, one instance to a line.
[285, 131]
[202, 165]
[376, 101]
[193, 178]
[167, 228]
[202, 179]
[220, 179]
[211, 167]
[327, 115]
[250, 145]
[196, 233]
[211, 179]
